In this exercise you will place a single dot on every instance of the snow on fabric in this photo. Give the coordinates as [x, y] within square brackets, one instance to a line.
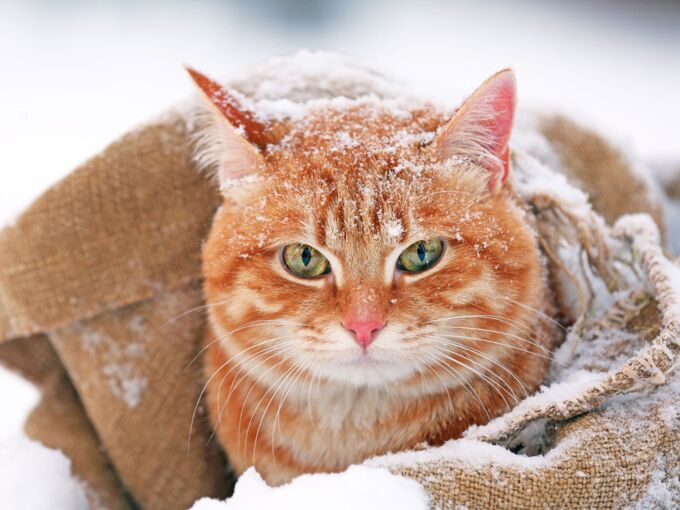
[358, 488]
[572, 386]
[122, 375]
[33, 477]
[576, 370]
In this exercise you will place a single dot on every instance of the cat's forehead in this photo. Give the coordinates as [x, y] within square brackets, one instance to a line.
[355, 154]
[362, 162]
[364, 138]
[357, 180]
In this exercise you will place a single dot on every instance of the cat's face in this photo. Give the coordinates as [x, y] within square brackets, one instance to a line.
[361, 255]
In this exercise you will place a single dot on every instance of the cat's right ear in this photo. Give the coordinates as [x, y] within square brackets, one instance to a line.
[237, 132]
[480, 128]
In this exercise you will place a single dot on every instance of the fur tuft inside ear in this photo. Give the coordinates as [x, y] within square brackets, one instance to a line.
[229, 144]
[480, 129]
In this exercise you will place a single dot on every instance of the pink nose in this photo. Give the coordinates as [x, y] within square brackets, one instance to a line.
[365, 330]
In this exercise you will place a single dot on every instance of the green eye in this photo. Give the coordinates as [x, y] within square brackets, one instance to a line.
[304, 261]
[420, 256]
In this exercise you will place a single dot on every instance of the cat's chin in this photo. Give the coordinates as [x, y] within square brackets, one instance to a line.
[367, 370]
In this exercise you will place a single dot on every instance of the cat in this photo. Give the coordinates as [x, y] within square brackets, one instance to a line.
[371, 282]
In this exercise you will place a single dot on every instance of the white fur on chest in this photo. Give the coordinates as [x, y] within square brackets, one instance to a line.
[347, 423]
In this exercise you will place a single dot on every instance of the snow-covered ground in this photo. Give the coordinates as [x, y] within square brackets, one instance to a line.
[17, 398]
[33, 477]
[371, 488]
[77, 75]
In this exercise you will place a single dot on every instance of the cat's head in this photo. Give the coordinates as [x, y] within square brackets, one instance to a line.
[369, 243]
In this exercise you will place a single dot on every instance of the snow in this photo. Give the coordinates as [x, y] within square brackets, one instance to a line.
[290, 87]
[122, 373]
[534, 178]
[574, 384]
[335, 71]
[125, 383]
[280, 109]
[33, 477]
[467, 452]
[358, 488]
[127, 80]
[395, 228]
[18, 397]
[662, 490]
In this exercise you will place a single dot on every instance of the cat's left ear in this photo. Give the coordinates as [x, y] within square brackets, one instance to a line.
[237, 134]
[480, 128]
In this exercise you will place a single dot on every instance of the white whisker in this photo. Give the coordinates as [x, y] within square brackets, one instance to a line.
[273, 351]
[277, 386]
[496, 342]
[277, 424]
[495, 362]
[245, 402]
[539, 312]
[225, 335]
[505, 320]
[497, 387]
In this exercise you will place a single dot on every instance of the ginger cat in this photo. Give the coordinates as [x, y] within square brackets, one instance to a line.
[371, 282]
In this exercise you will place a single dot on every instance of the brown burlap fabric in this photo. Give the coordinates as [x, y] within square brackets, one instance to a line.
[594, 165]
[602, 470]
[106, 263]
[100, 307]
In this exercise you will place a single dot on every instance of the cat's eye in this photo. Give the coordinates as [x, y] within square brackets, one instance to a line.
[421, 255]
[305, 261]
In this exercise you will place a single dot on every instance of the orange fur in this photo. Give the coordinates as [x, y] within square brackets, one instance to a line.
[288, 389]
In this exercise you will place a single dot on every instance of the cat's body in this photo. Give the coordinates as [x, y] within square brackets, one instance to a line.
[310, 374]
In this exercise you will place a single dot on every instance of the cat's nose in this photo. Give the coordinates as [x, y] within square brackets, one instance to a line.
[365, 330]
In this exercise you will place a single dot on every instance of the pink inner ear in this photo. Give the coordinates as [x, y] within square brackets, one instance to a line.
[483, 126]
[500, 94]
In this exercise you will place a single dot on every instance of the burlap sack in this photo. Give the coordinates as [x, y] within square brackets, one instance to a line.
[106, 264]
[99, 279]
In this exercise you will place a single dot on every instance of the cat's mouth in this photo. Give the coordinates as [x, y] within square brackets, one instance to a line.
[368, 359]
[370, 367]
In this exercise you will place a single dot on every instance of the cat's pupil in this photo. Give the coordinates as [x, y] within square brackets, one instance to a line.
[306, 255]
[421, 252]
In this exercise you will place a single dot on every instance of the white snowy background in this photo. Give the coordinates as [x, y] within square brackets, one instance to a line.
[76, 74]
